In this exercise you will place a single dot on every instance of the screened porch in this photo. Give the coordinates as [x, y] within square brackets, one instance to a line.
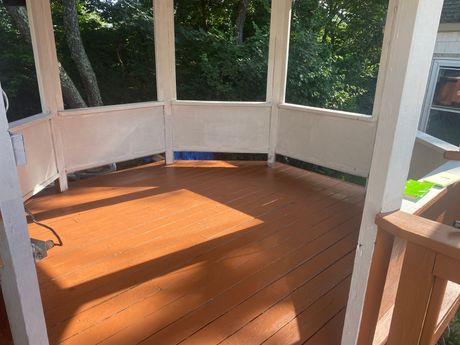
[230, 251]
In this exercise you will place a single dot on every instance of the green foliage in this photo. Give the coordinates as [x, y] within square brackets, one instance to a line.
[452, 336]
[210, 66]
[334, 52]
[210, 63]
[118, 38]
[17, 71]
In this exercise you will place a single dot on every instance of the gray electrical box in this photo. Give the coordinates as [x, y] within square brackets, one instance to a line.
[17, 141]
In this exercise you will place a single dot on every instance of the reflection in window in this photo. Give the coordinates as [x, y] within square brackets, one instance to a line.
[442, 117]
[444, 125]
[113, 62]
[17, 68]
[447, 92]
[335, 49]
[222, 49]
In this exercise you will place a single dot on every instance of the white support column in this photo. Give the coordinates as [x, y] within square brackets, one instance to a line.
[410, 37]
[280, 28]
[46, 64]
[18, 277]
[165, 65]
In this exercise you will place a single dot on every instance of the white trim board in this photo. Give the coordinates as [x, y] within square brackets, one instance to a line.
[90, 111]
[328, 112]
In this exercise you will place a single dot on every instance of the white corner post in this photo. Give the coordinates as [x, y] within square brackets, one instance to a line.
[410, 36]
[280, 28]
[18, 276]
[46, 64]
[165, 66]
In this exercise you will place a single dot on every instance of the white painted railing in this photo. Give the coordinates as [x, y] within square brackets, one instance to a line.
[41, 168]
[334, 139]
[428, 154]
[93, 137]
[96, 136]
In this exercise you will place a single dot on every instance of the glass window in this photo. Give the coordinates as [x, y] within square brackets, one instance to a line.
[108, 55]
[222, 49]
[334, 53]
[447, 92]
[17, 68]
[444, 125]
[441, 116]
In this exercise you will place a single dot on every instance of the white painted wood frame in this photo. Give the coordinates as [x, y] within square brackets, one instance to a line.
[280, 29]
[334, 139]
[40, 169]
[409, 42]
[18, 276]
[165, 60]
[46, 64]
[428, 155]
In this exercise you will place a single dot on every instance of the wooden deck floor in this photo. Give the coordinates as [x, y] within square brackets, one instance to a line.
[199, 253]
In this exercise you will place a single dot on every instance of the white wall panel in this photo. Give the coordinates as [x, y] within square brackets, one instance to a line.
[221, 126]
[97, 136]
[332, 139]
[40, 169]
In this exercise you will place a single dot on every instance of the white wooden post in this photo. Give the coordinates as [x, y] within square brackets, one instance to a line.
[280, 28]
[410, 37]
[165, 66]
[46, 64]
[18, 277]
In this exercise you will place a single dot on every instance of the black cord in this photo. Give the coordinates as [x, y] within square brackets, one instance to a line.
[35, 220]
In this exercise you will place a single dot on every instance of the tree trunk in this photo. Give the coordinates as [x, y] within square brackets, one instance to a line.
[204, 13]
[72, 97]
[70, 92]
[78, 53]
[241, 20]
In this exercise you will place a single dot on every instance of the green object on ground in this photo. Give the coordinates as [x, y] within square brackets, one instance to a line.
[417, 189]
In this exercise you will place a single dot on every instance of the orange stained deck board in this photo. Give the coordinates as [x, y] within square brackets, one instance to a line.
[199, 252]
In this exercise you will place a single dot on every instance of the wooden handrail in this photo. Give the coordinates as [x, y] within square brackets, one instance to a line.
[438, 237]
[452, 155]
[431, 259]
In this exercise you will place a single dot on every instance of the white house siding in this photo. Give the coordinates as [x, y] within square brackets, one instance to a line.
[448, 45]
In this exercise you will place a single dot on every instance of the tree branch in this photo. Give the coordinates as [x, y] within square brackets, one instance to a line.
[78, 53]
[241, 20]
